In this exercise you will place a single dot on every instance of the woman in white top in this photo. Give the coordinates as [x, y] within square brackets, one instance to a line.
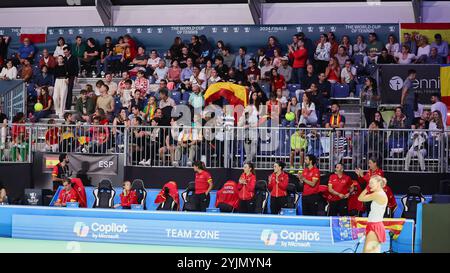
[404, 57]
[9, 72]
[59, 47]
[360, 47]
[214, 77]
[308, 111]
[322, 54]
[375, 231]
[392, 46]
[423, 48]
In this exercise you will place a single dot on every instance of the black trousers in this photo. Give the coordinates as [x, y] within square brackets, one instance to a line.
[339, 207]
[369, 115]
[355, 213]
[202, 201]
[246, 206]
[276, 204]
[225, 207]
[69, 92]
[312, 205]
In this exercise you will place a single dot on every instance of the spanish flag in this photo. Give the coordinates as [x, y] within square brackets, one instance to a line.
[393, 225]
[235, 94]
[445, 86]
[351, 228]
[426, 29]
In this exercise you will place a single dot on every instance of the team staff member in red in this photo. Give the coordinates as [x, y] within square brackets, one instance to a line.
[128, 196]
[373, 170]
[246, 188]
[60, 171]
[311, 196]
[278, 182]
[339, 187]
[355, 207]
[68, 194]
[227, 198]
[203, 185]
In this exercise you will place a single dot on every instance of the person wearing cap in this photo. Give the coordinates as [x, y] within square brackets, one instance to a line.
[441, 46]
[285, 69]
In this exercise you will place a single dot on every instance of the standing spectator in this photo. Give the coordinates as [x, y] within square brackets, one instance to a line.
[242, 60]
[61, 43]
[340, 188]
[47, 103]
[60, 171]
[203, 185]
[441, 46]
[72, 67]
[373, 170]
[374, 43]
[322, 55]
[91, 55]
[310, 48]
[407, 100]
[370, 99]
[249, 122]
[278, 182]
[436, 127]
[392, 46]
[47, 60]
[85, 107]
[334, 44]
[308, 111]
[272, 44]
[405, 57]
[61, 87]
[324, 87]
[345, 42]
[4, 42]
[439, 106]
[252, 74]
[360, 47]
[285, 69]
[27, 71]
[409, 43]
[386, 58]
[276, 60]
[9, 72]
[299, 144]
[78, 49]
[333, 71]
[299, 57]
[106, 102]
[26, 51]
[335, 119]
[310, 178]
[246, 188]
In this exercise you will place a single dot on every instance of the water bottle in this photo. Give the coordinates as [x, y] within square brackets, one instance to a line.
[93, 74]
[103, 74]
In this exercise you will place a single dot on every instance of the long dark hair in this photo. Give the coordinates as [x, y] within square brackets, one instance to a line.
[251, 166]
[272, 78]
[199, 164]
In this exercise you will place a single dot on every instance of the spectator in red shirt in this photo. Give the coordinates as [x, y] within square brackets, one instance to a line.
[130, 49]
[340, 187]
[246, 188]
[276, 80]
[299, 57]
[278, 182]
[310, 177]
[52, 137]
[334, 43]
[47, 60]
[227, 198]
[252, 73]
[67, 194]
[47, 103]
[203, 185]
[128, 196]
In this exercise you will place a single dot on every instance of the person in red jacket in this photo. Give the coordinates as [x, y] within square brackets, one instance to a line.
[392, 203]
[373, 170]
[67, 194]
[278, 182]
[203, 185]
[227, 198]
[310, 177]
[355, 207]
[246, 188]
[299, 56]
[128, 196]
[339, 186]
[172, 189]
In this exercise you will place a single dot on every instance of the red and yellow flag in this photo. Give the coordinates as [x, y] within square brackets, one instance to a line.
[393, 225]
[426, 29]
[235, 94]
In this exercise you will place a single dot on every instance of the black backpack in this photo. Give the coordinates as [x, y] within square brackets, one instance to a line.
[104, 195]
[292, 197]
[189, 198]
[169, 203]
[141, 193]
[261, 197]
[410, 202]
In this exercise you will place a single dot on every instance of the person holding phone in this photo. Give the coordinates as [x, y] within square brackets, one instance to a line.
[128, 196]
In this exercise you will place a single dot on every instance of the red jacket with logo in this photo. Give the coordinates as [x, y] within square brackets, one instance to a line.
[129, 199]
[340, 185]
[278, 189]
[67, 196]
[353, 202]
[247, 191]
[228, 194]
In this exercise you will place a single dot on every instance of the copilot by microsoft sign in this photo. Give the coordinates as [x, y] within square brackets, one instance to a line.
[97, 230]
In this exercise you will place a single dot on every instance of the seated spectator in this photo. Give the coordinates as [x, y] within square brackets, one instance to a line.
[61, 43]
[333, 71]
[150, 109]
[137, 101]
[308, 111]
[440, 45]
[293, 107]
[106, 102]
[276, 60]
[219, 49]
[324, 86]
[272, 44]
[85, 107]
[273, 107]
[136, 112]
[128, 196]
[127, 93]
[438, 105]
[106, 52]
[221, 68]
[121, 84]
[3, 196]
[195, 48]
[187, 72]
[197, 78]
[9, 72]
[215, 78]
[67, 134]
[26, 51]
[434, 57]
[91, 55]
[175, 48]
[129, 50]
[410, 43]
[228, 58]
[342, 56]
[386, 58]
[99, 136]
[259, 59]
[418, 147]
[164, 99]
[335, 119]
[241, 61]
[299, 144]
[392, 46]
[252, 74]
[372, 57]
[314, 144]
[140, 60]
[206, 51]
[67, 194]
[111, 84]
[185, 55]
[310, 77]
[153, 62]
[47, 104]
[265, 70]
[348, 75]
[345, 42]
[27, 71]
[334, 45]
[318, 100]
[188, 141]
[423, 49]
[78, 48]
[161, 71]
[360, 47]
[98, 85]
[398, 121]
[141, 83]
[277, 81]
[285, 69]
[374, 43]
[52, 137]
[405, 57]
[43, 79]
[117, 61]
[47, 60]
[235, 76]
[174, 73]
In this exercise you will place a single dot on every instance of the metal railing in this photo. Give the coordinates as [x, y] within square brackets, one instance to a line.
[13, 97]
[231, 147]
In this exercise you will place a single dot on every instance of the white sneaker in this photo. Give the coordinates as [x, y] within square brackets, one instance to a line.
[142, 162]
[148, 162]
[189, 163]
[175, 164]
